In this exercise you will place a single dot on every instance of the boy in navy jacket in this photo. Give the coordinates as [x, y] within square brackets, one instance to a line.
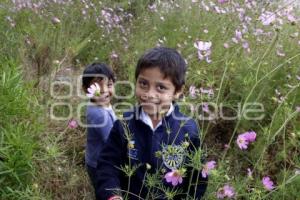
[153, 140]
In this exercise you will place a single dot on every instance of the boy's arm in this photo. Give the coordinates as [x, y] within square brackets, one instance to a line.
[199, 189]
[111, 157]
[97, 123]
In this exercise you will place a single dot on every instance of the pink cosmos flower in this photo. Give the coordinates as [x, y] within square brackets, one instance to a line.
[174, 177]
[250, 136]
[193, 91]
[241, 13]
[204, 50]
[267, 18]
[229, 191]
[238, 35]
[210, 92]
[72, 124]
[226, 45]
[248, 19]
[291, 18]
[245, 138]
[245, 45]
[152, 8]
[242, 142]
[207, 167]
[93, 90]
[205, 107]
[226, 191]
[258, 32]
[268, 183]
[239, 38]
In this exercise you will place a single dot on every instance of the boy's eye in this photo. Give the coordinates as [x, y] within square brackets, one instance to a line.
[161, 87]
[143, 84]
[110, 83]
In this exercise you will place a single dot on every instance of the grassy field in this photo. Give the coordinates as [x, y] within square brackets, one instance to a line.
[243, 76]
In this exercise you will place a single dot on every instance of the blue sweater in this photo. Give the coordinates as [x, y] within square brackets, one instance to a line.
[142, 148]
[99, 123]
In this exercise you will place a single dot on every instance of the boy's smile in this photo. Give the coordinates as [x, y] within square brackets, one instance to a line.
[155, 92]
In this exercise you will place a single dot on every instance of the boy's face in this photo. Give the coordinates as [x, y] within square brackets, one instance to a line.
[106, 91]
[155, 92]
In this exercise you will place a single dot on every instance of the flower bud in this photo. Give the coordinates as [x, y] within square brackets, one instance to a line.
[148, 166]
[55, 20]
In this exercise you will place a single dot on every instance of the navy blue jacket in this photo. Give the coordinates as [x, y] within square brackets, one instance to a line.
[142, 148]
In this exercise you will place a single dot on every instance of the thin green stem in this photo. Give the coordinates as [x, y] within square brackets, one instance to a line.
[190, 181]
[265, 54]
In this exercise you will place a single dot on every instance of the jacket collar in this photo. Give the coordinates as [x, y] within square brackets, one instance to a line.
[144, 117]
[136, 113]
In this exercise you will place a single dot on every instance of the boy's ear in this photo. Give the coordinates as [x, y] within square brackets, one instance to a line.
[178, 93]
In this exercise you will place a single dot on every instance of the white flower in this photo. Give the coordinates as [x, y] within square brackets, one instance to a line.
[55, 20]
[93, 90]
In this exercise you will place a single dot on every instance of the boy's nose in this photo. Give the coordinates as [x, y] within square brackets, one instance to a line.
[151, 94]
[103, 88]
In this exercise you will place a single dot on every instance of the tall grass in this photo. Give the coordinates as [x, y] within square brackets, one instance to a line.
[20, 128]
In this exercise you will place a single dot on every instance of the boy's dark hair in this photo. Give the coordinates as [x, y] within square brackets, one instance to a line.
[168, 60]
[96, 70]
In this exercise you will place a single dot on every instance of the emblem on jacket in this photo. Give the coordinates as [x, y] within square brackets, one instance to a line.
[132, 151]
[173, 156]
